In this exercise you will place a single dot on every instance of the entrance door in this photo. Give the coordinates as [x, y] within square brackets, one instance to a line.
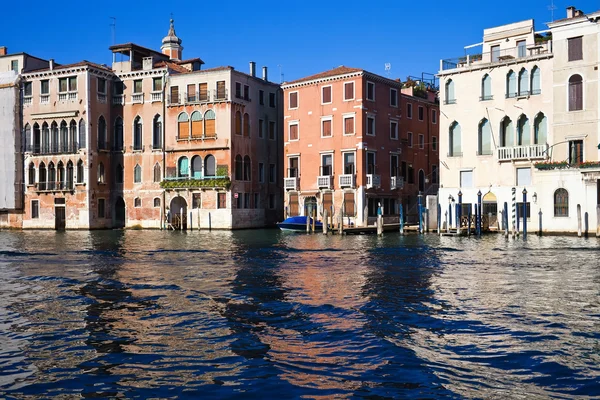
[178, 213]
[59, 218]
[490, 206]
[310, 205]
[119, 213]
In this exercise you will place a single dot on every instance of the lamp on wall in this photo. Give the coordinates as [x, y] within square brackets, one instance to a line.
[534, 197]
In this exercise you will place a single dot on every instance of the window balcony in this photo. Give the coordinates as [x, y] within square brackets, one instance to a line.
[373, 181]
[101, 98]
[486, 97]
[449, 101]
[220, 95]
[137, 98]
[291, 183]
[174, 100]
[396, 182]
[118, 99]
[325, 182]
[455, 154]
[53, 186]
[44, 99]
[62, 148]
[347, 181]
[533, 152]
[156, 96]
[27, 101]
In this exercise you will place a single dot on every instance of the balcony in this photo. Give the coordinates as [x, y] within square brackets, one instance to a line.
[118, 99]
[44, 98]
[220, 95]
[67, 96]
[63, 148]
[174, 100]
[137, 98]
[220, 180]
[53, 186]
[156, 96]
[101, 98]
[27, 101]
[396, 182]
[347, 181]
[533, 152]
[291, 183]
[373, 181]
[325, 182]
[521, 53]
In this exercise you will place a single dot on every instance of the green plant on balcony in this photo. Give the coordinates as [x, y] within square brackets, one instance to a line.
[196, 183]
[539, 38]
[588, 164]
[544, 165]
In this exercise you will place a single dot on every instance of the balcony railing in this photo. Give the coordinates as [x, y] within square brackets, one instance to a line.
[325, 182]
[450, 101]
[27, 101]
[44, 98]
[396, 182]
[118, 99]
[373, 181]
[486, 97]
[53, 186]
[101, 98]
[174, 100]
[498, 56]
[156, 96]
[347, 181]
[137, 98]
[536, 151]
[291, 183]
[220, 95]
[63, 148]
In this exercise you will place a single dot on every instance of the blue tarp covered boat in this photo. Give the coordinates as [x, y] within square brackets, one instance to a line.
[298, 224]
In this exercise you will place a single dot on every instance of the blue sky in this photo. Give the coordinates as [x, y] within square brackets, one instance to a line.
[302, 37]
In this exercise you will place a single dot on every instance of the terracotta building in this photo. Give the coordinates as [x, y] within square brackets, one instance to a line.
[353, 139]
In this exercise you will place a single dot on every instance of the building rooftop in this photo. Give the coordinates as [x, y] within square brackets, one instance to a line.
[341, 70]
[74, 65]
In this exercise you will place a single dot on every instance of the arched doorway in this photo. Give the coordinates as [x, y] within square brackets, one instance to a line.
[119, 213]
[310, 205]
[489, 206]
[177, 213]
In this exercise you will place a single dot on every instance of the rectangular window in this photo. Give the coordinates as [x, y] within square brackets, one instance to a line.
[348, 91]
[326, 164]
[520, 210]
[370, 91]
[293, 133]
[14, 65]
[156, 84]
[196, 200]
[261, 97]
[272, 173]
[63, 85]
[191, 92]
[256, 203]
[326, 95]
[348, 125]
[247, 97]
[394, 165]
[434, 143]
[521, 48]
[371, 126]
[27, 89]
[45, 86]
[261, 172]
[421, 141]
[117, 88]
[434, 174]
[101, 85]
[433, 116]
[272, 100]
[261, 128]
[394, 130]
[409, 110]
[466, 179]
[101, 208]
[349, 163]
[575, 48]
[221, 200]
[523, 176]
[293, 164]
[575, 152]
[271, 201]
[271, 130]
[326, 128]
[238, 200]
[410, 139]
[35, 209]
[293, 96]
[174, 94]
[371, 162]
[246, 200]
[421, 113]
[203, 91]
[238, 90]
[137, 86]
[495, 53]
[221, 92]
[393, 98]
[349, 207]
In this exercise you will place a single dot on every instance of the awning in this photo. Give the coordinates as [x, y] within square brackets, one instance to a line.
[54, 115]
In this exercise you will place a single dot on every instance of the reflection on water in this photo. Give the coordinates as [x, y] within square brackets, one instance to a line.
[264, 314]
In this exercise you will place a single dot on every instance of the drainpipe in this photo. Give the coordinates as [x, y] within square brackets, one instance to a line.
[163, 125]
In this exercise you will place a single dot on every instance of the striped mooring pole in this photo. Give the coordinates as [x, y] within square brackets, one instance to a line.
[514, 211]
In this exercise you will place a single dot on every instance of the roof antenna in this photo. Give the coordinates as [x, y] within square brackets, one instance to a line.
[552, 7]
[113, 28]
[280, 74]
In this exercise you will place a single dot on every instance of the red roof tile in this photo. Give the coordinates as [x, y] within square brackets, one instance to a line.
[341, 70]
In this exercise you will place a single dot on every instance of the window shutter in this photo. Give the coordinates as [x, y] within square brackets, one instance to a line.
[203, 92]
[327, 94]
[348, 91]
[327, 201]
[294, 100]
[349, 126]
[293, 132]
[175, 94]
[349, 204]
[327, 128]
[294, 204]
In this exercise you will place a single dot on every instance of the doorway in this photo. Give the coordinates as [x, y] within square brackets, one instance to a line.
[489, 207]
[178, 213]
[59, 218]
[119, 213]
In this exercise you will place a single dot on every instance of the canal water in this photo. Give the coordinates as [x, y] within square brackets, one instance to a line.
[263, 314]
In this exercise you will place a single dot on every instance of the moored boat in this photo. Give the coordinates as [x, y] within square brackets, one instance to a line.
[298, 224]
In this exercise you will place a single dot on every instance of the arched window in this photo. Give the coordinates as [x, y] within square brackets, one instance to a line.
[54, 140]
[73, 135]
[536, 81]
[64, 137]
[137, 133]
[137, 202]
[238, 123]
[157, 172]
[119, 174]
[485, 138]
[156, 202]
[60, 175]
[82, 134]
[157, 132]
[450, 99]
[506, 133]
[183, 126]
[575, 93]
[51, 176]
[31, 179]
[247, 169]
[561, 203]
[42, 179]
[239, 168]
[69, 181]
[27, 138]
[540, 127]
[37, 139]
[197, 128]
[455, 140]
[101, 133]
[486, 88]
[511, 84]
[246, 125]
[80, 177]
[137, 174]
[197, 167]
[524, 136]
[210, 165]
[183, 169]
[210, 128]
[45, 138]
[421, 180]
[523, 82]
[118, 139]
[101, 173]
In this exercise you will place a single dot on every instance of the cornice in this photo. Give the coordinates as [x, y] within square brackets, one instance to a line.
[141, 73]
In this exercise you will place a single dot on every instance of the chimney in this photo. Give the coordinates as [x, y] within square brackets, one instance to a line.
[252, 68]
[578, 13]
[265, 74]
[51, 64]
[3, 50]
[570, 12]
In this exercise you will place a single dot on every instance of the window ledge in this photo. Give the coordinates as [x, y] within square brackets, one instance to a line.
[80, 183]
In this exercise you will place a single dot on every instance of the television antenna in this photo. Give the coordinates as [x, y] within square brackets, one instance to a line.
[552, 7]
[280, 73]
[388, 67]
[113, 28]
